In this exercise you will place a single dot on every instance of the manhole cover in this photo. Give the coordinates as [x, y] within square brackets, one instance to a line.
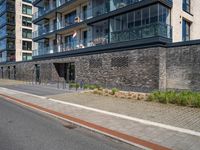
[69, 126]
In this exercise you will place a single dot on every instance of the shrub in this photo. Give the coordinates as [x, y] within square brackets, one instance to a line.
[92, 87]
[183, 98]
[74, 85]
[86, 86]
[114, 90]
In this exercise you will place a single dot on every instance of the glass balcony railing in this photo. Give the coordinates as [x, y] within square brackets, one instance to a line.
[95, 11]
[62, 24]
[41, 12]
[42, 30]
[76, 44]
[136, 33]
[98, 9]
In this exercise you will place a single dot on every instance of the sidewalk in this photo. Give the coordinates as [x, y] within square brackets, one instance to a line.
[152, 133]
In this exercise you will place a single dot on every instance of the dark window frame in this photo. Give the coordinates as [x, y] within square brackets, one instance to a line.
[25, 33]
[26, 45]
[186, 6]
[186, 34]
[25, 21]
[25, 9]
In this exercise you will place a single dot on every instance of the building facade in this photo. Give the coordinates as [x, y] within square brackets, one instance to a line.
[140, 45]
[73, 24]
[15, 30]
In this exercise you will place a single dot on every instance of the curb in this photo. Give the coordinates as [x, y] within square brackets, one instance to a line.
[108, 132]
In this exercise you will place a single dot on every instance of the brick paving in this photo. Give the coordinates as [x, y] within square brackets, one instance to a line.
[183, 117]
[161, 136]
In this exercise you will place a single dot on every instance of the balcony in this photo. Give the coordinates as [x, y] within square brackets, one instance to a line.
[43, 30]
[134, 35]
[137, 33]
[7, 6]
[97, 10]
[70, 46]
[42, 12]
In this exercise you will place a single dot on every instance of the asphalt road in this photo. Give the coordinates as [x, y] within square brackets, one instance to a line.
[24, 129]
[36, 89]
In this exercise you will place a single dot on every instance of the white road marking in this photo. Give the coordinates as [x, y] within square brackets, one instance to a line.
[146, 122]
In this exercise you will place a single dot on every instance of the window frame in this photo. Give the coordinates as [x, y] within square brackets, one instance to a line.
[26, 33]
[27, 45]
[25, 9]
[26, 23]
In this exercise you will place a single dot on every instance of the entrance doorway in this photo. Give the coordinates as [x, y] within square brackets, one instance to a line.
[37, 73]
[66, 71]
[8, 72]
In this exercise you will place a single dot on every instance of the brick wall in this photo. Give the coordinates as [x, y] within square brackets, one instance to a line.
[183, 67]
[139, 70]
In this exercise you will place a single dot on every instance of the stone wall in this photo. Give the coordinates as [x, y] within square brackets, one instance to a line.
[129, 70]
[138, 70]
[183, 67]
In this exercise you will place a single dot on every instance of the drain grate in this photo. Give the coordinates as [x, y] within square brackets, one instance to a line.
[69, 126]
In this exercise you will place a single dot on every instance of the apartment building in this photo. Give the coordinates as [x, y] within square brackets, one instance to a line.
[65, 25]
[15, 30]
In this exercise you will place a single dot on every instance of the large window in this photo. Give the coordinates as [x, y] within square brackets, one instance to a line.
[26, 9]
[26, 33]
[26, 56]
[70, 42]
[186, 30]
[26, 21]
[27, 45]
[70, 18]
[142, 23]
[186, 5]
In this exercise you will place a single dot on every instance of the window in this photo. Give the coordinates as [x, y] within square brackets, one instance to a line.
[27, 21]
[28, 1]
[70, 42]
[26, 56]
[186, 5]
[26, 9]
[186, 30]
[84, 12]
[164, 15]
[26, 33]
[27, 45]
[70, 18]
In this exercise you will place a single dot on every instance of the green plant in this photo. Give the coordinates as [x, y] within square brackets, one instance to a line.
[74, 85]
[183, 98]
[114, 90]
[86, 86]
[92, 87]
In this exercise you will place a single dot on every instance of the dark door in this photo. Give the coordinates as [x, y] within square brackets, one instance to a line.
[8, 72]
[71, 68]
[14, 72]
[2, 72]
[37, 73]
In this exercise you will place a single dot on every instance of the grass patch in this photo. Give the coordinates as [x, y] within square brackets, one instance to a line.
[183, 98]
